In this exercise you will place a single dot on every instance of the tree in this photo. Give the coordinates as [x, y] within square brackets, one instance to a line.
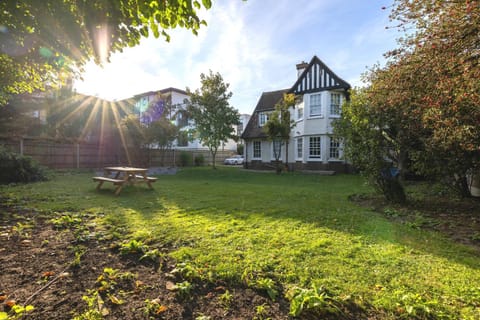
[372, 143]
[214, 117]
[420, 112]
[444, 52]
[41, 44]
[278, 127]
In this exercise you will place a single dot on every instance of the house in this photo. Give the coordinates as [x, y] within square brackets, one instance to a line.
[319, 96]
[152, 104]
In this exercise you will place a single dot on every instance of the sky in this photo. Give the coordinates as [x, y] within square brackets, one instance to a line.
[255, 46]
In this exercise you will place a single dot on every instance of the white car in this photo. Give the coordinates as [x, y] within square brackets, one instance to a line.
[238, 159]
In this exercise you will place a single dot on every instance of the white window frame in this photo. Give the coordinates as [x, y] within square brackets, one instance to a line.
[315, 109]
[299, 148]
[263, 118]
[300, 112]
[334, 144]
[273, 152]
[317, 157]
[335, 109]
[259, 144]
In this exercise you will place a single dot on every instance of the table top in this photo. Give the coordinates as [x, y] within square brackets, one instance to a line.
[126, 169]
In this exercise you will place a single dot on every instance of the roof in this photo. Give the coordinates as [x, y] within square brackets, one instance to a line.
[318, 77]
[315, 78]
[267, 102]
[162, 91]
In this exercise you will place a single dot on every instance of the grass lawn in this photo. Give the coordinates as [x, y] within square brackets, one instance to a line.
[291, 236]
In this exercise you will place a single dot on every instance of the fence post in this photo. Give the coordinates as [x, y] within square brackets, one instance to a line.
[78, 155]
[21, 146]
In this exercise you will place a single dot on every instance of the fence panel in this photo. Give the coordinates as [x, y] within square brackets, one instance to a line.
[60, 155]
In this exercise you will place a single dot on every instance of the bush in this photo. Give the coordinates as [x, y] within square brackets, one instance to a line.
[17, 168]
[199, 160]
[185, 159]
[240, 148]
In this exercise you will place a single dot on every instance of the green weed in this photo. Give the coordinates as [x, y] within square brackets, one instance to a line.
[316, 299]
[243, 227]
[133, 247]
[226, 299]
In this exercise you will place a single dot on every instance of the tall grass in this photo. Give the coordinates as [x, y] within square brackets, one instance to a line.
[282, 232]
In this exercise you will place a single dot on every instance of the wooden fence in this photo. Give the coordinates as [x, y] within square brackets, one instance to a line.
[61, 155]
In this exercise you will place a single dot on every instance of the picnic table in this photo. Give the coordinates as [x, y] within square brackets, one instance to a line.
[121, 176]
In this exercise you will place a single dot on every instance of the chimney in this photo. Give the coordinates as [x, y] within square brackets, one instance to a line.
[301, 67]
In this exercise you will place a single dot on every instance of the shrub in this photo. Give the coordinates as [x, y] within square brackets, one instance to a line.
[240, 148]
[185, 159]
[18, 168]
[199, 160]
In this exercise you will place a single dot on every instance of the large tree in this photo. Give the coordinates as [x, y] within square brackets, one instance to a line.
[214, 118]
[41, 42]
[425, 101]
[444, 57]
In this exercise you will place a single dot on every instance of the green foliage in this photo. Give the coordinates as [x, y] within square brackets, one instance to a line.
[17, 312]
[294, 229]
[40, 52]
[269, 286]
[373, 143]
[185, 159]
[214, 117]
[133, 247]
[92, 312]
[226, 299]
[134, 131]
[317, 299]
[240, 148]
[183, 289]
[199, 160]
[425, 99]
[18, 168]
[279, 125]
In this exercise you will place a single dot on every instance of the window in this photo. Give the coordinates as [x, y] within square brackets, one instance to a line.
[299, 148]
[315, 105]
[334, 152]
[335, 103]
[262, 118]
[257, 149]
[300, 112]
[315, 147]
[277, 149]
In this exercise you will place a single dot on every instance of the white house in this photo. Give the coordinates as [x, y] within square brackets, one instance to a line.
[319, 96]
[150, 104]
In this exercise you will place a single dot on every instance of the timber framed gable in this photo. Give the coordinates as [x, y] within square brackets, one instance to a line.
[317, 77]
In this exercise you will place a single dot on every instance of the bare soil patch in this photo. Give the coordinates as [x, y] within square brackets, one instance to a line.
[56, 270]
[457, 219]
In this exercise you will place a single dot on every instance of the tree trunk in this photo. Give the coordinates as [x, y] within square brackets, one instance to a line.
[214, 153]
[286, 155]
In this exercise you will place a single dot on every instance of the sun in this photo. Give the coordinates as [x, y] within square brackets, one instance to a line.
[98, 81]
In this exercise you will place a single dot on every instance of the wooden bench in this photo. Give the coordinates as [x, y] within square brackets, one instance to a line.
[119, 183]
[151, 179]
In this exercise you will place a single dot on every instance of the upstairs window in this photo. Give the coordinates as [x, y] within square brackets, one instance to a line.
[300, 112]
[315, 105]
[335, 103]
[262, 118]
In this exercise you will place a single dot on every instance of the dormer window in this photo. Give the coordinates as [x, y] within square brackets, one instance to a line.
[262, 118]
